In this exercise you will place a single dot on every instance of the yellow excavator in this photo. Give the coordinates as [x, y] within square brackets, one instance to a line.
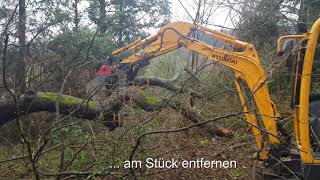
[286, 159]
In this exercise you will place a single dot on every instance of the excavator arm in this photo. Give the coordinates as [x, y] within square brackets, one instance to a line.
[241, 57]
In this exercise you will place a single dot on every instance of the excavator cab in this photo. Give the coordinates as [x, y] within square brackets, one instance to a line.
[306, 99]
[314, 99]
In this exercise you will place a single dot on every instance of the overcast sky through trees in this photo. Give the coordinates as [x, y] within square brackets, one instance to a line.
[219, 17]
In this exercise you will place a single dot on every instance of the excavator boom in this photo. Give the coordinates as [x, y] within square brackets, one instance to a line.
[240, 57]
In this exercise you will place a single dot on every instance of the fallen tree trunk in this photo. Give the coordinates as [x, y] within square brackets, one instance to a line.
[32, 102]
[44, 101]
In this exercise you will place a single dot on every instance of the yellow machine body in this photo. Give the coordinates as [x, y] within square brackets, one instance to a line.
[244, 62]
[242, 58]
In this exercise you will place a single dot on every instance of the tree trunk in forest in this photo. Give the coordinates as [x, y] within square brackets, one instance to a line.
[303, 11]
[121, 24]
[20, 62]
[102, 16]
[76, 16]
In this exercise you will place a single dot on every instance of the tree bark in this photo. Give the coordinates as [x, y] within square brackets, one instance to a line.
[102, 16]
[155, 81]
[109, 104]
[76, 16]
[303, 14]
[20, 63]
[32, 102]
[43, 101]
[121, 24]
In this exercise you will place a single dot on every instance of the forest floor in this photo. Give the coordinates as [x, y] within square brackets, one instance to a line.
[89, 146]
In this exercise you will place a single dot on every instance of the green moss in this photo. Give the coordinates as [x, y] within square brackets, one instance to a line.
[149, 99]
[65, 99]
[236, 173]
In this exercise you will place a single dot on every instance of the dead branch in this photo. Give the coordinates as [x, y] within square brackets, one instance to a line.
[197, 118]
[160, 82]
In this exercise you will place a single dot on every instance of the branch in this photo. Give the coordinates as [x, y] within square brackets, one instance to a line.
[197, 118]
[160, 82]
